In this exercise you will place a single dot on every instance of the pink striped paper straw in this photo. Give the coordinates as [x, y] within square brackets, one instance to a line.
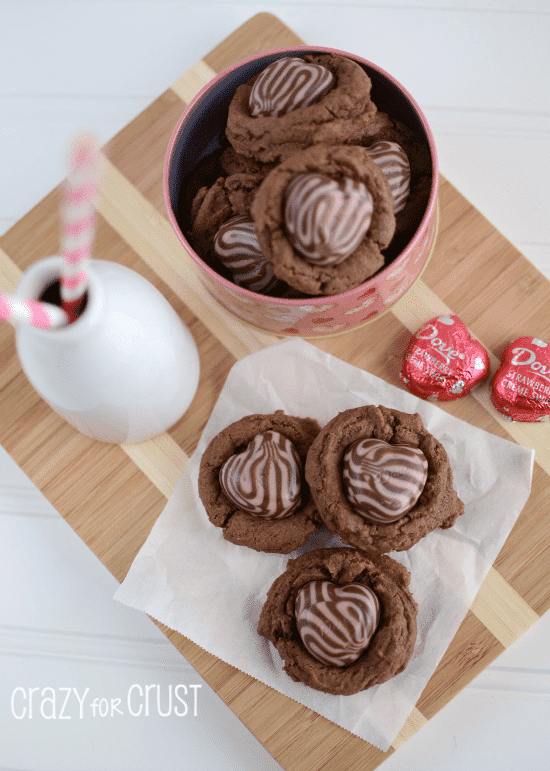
[78, 222]
[37, 314]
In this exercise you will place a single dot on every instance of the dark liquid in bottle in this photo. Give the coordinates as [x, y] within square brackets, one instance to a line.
[52, 295]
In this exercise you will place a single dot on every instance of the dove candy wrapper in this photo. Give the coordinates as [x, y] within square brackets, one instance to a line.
[443, 361]
[189, 577]
[521, 386]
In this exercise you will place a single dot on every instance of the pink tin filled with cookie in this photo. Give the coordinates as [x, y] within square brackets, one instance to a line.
[303, 184]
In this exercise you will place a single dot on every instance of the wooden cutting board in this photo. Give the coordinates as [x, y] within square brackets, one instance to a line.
[111, 495]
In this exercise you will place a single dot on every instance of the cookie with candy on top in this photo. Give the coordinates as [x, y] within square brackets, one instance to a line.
[341, 620]
[297, 101]
[252, 485]
[380, 480]
[323, 217]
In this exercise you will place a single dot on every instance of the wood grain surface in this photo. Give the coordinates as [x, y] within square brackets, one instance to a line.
[112, 494]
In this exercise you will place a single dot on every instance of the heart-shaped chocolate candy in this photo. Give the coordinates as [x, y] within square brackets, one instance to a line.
[287, 85]
[383, 481]
[326, 219]
[521, 385]
[392, 160]
[443, 361]
[237, 246]
[336, 623]
[265, 478]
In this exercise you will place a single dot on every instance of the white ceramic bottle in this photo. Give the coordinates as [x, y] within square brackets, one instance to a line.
[126, 370]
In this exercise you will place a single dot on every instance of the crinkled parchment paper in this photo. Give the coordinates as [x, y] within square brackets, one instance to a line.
[212, 591]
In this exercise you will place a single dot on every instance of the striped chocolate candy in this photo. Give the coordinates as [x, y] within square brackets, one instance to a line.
[383, 481]
[392, 160]
[264, 479]
[326, 219]
[288, 84]
[237, 246]
[336, 623]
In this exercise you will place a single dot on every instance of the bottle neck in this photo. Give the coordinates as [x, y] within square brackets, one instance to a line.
[46, 272]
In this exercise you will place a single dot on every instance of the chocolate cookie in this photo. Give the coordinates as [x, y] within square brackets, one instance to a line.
[233, 163]
[340, 116]
[228, 197]
[359, 490]
[306, 618]
[356, 178]
[252, 485]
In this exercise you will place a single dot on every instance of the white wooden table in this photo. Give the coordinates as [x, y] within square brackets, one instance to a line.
[481, 72]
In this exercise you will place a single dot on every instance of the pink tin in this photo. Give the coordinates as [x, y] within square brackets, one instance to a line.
[197, 134]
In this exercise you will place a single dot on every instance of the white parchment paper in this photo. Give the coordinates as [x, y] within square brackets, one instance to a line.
[211, 591]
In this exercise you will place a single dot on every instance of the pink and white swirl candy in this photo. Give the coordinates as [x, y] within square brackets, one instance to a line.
[336, 623]
[326, 219]
[237, 246]
[392, 160]
[288, 84]
[383, 481]
[265, 479]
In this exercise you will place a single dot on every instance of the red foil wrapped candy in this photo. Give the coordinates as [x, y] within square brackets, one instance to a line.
[443, 361]
[521, 385]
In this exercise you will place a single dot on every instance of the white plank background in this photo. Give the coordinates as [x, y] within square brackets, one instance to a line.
[481, 72]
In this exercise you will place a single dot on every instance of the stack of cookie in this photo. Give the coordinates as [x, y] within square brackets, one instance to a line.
[342, 619]
[316, 189]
